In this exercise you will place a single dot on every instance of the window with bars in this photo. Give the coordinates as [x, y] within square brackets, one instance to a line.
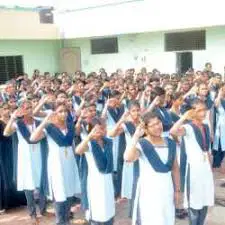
[104, 45]
[10, 67]
[183, 41]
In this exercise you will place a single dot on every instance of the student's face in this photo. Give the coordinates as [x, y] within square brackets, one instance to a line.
[200, 112]
[134, 112]
[11, 89]
[34, 102]
[132, 91]
[114, 102]
[155, 84]
[61, 98]
[209, 67]
[203, 90]
[61, 113]
[27, 109]
[185, 86]
[154, 127]
[169, 89]
[12, 103]
[69, 103]
[80, 87]
[5, 113]
[100, 131]
[204, 77]
[162, 100]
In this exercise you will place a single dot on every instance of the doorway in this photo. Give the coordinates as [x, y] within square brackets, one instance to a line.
[70, 60]
[184, 61]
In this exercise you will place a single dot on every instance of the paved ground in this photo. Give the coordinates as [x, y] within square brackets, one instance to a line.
[216, 214]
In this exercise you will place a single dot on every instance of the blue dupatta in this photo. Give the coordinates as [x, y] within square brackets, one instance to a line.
[153, 157]
[165, 118]
[130, 127]
[116, 113]
[57, 135]
[25, 131]
[199, 137]
[103, 161]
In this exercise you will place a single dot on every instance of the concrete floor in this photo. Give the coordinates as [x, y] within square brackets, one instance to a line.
[216, 215]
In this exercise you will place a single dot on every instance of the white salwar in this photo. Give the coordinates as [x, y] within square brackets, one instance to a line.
[128, 171]
[200, 174]
[100, 192]
[29, 164]
[220, 129]
[154, 200]
[63, 176]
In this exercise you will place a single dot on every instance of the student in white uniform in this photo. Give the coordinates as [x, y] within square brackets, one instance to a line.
[158, 183]
[219, 137]
[127, 124]
[112, 112]
[199, 184]
[63, 178]
[98, 182]
[29, 165]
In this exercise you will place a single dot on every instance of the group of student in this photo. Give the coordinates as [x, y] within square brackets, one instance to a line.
[151, 138]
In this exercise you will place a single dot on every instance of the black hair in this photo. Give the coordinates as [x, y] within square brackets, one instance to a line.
[133, 103]
[146, 117]
[196, 102]
[114, 94]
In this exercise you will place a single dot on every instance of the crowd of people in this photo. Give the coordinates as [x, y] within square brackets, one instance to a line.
[95, 139]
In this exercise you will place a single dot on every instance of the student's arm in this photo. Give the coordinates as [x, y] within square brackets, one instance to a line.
[10, 129]
[131, 153]
[78, 124]
[83, 146]
[38, 133]
[176, 181]
[178, 129]
[104, 111]
[153, 104]
[218, 99]
[118, 129]
[37, 109]
[79, 110]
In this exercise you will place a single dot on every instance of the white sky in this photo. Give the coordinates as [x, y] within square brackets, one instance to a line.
[57, 3]
[27, 3]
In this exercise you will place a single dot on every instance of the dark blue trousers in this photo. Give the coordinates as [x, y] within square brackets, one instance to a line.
[197, 217]
[218, 156]
[62, 211]
[31, 204]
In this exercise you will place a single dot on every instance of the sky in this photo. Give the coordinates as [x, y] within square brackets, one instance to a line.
[28, 3]
[58, 3]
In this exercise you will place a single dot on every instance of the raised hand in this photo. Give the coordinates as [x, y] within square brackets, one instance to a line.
[139, 131]
[156, 101]
[124, 116]
[50, 117]
[17, 113]
[189, 115]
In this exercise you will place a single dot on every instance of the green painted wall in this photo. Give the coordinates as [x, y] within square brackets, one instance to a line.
[43, 55]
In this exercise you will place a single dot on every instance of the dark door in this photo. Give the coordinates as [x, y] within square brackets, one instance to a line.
[184, 61]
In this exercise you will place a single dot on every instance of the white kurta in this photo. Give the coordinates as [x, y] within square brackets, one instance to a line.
[100, 192]
[128, 171]
[110, 125]
[201, 177]
[29, 164]
[220, 129]
[155, 193]
[63, 176]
